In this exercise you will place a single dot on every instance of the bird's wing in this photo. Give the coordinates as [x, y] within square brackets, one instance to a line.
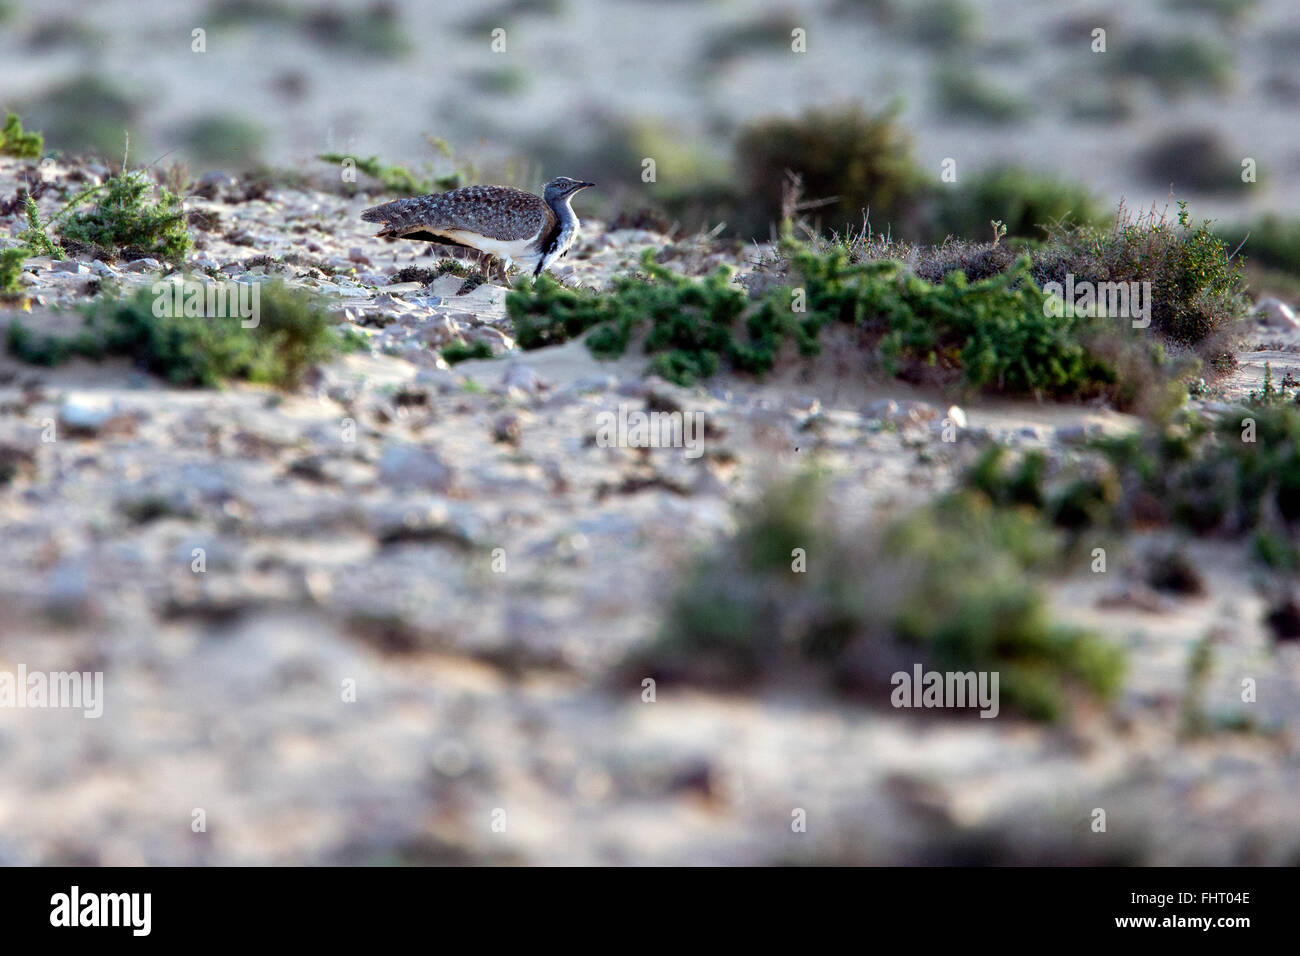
[497, 212]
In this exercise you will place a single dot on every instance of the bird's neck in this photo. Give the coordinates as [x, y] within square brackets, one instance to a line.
[565, 217]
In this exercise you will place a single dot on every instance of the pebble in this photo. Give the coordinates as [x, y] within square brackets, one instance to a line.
[1074, 434]
[885, 408]
[144, 265]
[71, 266]
[406, 466]
[523, 377]
[1276, 314]
[83, 414]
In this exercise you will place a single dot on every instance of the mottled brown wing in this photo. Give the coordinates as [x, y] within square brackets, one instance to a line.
[497, 212]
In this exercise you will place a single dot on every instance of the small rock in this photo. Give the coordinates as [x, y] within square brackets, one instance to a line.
[1276, 314]
[1074, 434]
[406, 466]
[357, 254]
[101, 268]
[957, 415]
[523, 377]
[71, 266]
[506, 429]
[144, 265]
[84, 414]
[886, 408]
[210, 185]
[919, 411]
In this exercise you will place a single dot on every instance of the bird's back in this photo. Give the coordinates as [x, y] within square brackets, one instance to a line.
[495, 212]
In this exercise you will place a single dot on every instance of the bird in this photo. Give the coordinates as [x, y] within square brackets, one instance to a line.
[506, 223]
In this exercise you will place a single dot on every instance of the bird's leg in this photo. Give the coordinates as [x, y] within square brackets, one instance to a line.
[485, 266]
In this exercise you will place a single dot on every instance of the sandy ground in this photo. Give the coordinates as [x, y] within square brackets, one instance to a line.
[351, 679]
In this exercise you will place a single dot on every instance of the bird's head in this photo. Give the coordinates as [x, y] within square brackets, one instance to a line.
[562, 187]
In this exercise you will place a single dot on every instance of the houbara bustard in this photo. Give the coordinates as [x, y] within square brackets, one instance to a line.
[508, 224]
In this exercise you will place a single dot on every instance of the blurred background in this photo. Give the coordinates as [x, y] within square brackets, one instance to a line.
[712, 90]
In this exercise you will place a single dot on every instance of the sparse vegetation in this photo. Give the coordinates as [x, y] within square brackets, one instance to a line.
[15, 142]
[1237, 477]
[88, 113]
[375, 30]
[768, 31]
[11, 267]
[862, 162]
[224, 139]
[1177, 65]
[866, 605]
[945, 24]
[962, 94]
[1196, 289]
[1193, 160]
[990, 334]
[124, 218]
[292, 334]
[1271, 242]
[395, 179]
[461, 352]
[1028, 203]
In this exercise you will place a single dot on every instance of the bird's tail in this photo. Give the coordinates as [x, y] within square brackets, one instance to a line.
[394, 215]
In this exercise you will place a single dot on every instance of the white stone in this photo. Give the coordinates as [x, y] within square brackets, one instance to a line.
[1276, 314]
[85, 413]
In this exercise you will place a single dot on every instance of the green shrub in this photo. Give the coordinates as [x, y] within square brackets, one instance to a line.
[11, 267]
[14, 142]
[1196, 290]
[123, 218]
[88, 112]
[1177, 65]
[866, 605]
[992, 334]
[34, 236]
[942, 23]
[224, 139]
[770, 31]
[376, 30]
[1026, 202]
[293, 333]
[1193, 160]
[395, 179]
[1271, 241]
[959, 93]
[865, 161]
[1206, 479]
[1230, 11]
[460, 352]
[690, 320]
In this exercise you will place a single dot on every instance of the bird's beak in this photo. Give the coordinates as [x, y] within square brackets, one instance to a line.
[585, 185]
